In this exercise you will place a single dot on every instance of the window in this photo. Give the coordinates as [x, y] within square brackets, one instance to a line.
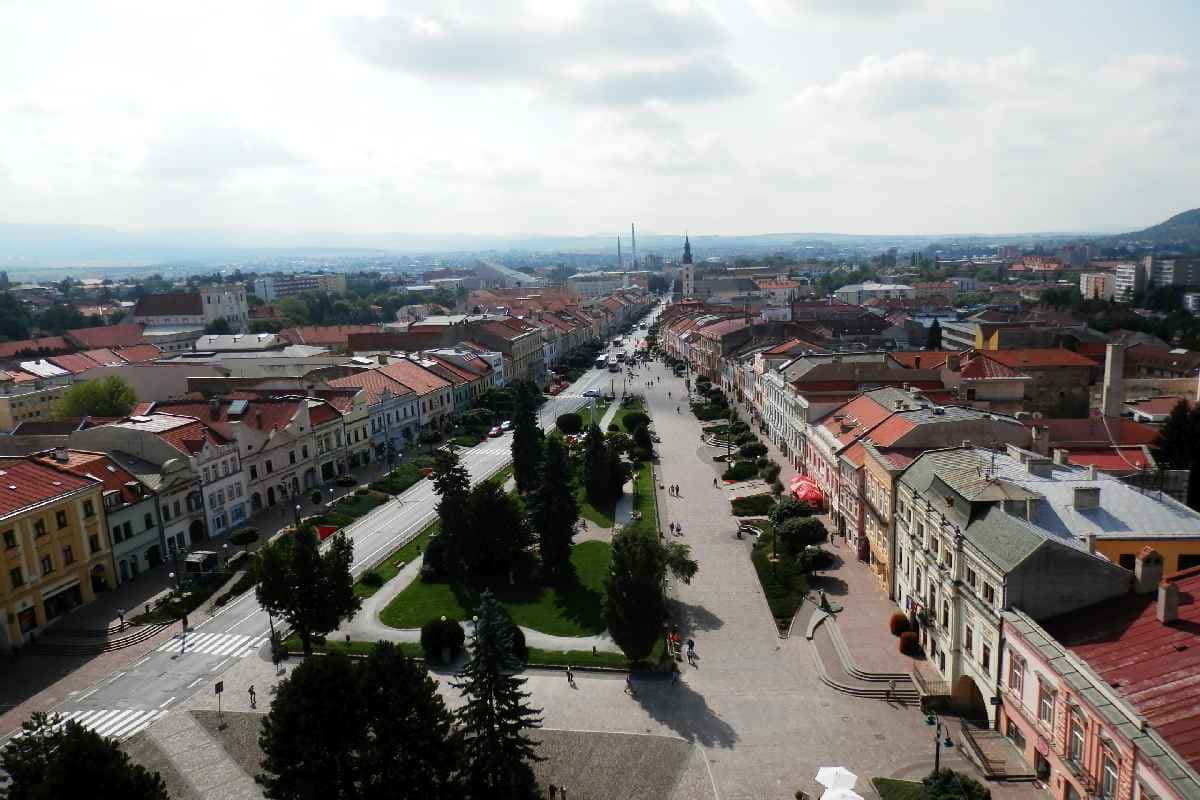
[166, 513]
[94, 543]
[149, 520]
[89, 508]
[253, 472]
[934, 544]
[1013, 732]
[292, 456]
[304, 451]
[224, 467]
[1045, 704]
[116, 534]
[948, 558]
[175, 507]
[207, 475]
[68, 555]
[971, 577]
[1016, 674]
[61, 518]
[969, 641]
[1075, 742]
[985, 658]
[10, 539]
[39, 527]
[989, 593]
[47, 565]
[15, 576]
[1127, 560]
[1189, 560]
[1108, 781]
[212, 499]
[270, 469]
[127, 529]
[945, 614]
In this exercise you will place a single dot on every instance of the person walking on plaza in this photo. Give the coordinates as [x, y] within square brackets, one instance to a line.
[691, 653]
[571, 677]
[553, 792]
[629, 686]
[253, 697]
[891, 689]
[715, 483]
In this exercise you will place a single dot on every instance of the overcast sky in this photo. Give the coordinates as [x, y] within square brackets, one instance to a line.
[574, 117]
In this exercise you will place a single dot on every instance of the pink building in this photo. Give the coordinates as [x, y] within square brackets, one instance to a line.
[1105, 702]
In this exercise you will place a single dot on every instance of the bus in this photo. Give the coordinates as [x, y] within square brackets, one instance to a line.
[601, 362]
[613, 366]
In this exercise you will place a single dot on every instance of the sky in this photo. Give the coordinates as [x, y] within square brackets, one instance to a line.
[579, 116]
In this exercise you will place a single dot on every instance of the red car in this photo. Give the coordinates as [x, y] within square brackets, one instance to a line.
[496, 431]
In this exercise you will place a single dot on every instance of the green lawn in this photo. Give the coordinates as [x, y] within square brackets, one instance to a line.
[892, 789]
[353, 648]
[585, 413]
[619, 417]
[400, 479]
[575, 610]
[359, 505]
[782, 583]
[601, 517]
[645, 498]
[391, 566]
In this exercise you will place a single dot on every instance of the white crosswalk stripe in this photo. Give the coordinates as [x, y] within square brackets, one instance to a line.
[111, 723]
[232, 645]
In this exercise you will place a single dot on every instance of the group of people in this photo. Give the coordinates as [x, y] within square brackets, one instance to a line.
[676, 529]
[673, 490]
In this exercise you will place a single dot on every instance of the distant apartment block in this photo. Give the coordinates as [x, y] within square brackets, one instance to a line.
[859, 293]
[595, 284]
[276, 287]
[1129, 279]
[1097, 285]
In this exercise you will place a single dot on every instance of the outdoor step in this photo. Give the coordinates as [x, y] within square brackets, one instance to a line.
[64, 649]
[848, 664]
[903, 695]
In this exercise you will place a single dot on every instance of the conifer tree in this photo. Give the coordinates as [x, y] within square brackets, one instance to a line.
[554, 511]
[527, 440]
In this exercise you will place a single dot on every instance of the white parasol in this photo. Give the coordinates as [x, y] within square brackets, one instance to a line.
[836, 778]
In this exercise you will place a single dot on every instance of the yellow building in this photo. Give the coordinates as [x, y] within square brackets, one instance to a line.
[54, 549]
[26, 402]
[1179, 552]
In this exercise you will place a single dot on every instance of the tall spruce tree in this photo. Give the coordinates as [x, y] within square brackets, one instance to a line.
[554, 511]
[50, 761]
[452, 484]
[312, 590]
[527, 440]
[1177, 439]
[496, 713]
[933, 339]
[597, 467]
[497, 531]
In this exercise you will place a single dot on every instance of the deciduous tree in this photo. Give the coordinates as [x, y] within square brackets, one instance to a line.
[100, 397]
[635, 606]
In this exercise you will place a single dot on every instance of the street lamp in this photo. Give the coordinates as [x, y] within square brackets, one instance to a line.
[939, 742]
[297, 515]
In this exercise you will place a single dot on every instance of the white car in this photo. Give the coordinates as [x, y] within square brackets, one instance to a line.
[592, 393]
[506, 425]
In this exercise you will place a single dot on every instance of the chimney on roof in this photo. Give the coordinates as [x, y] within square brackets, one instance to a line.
[1113, 398]
[1091, 472]
[1168, 602]
[1086, 498]
[61, 455]
[954, 362]
[1061, 456]
[1147, 571]
[383, 359]
[917, 362]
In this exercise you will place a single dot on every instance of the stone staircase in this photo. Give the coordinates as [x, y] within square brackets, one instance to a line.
[993, 752]
[77, 643]
[837, 669]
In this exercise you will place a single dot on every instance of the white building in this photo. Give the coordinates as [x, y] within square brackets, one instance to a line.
[859, 293]
[276, 287]
[1097, 285]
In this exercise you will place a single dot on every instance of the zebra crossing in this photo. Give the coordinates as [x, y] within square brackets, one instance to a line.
[232, 645]
[107, 722]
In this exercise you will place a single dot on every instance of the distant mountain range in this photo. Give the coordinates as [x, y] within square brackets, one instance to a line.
[1181, 229]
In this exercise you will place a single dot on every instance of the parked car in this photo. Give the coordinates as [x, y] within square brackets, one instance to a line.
[592, 393]
[506, 425]
[496, 431]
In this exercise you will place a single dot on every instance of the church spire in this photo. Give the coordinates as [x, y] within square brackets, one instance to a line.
[687, 250]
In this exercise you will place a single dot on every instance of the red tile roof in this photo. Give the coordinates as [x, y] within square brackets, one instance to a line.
[261, 414]
[73, 363]
[374, 383]
[925, 359]
[1094, 431]
[414, 376]
[1039, 358]
[325, 335]
[26, 482]
[103, 356]
[139, 353]
[1155, 667]
[124, 335]
[981, 367]
[1112, 459]
[169, 304]
[1157, 405]
[49, 343]
[325, 412]
[99, 466]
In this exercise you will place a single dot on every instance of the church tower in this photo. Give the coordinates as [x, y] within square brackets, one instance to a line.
[688, 270]
[687, 250]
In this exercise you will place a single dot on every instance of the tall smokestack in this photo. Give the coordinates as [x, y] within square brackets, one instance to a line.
[620, 261]
[1113, 400]
[633, 244]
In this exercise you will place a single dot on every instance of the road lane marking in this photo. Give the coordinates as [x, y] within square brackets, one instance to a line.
[167, 702]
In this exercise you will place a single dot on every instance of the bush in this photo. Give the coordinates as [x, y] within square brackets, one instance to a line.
[798, 533]
[315, 496]
[429, 437]
[761, 463]
[614, 427]
[770, 472]
[752, 450]
[755, 505]
[439, 635]
[789, 508]
[745, 438]
[946, 784]
[372, 578]
[739, 427]
[569, 423]
[363, 492]
[244, 537]
[640, 454]
[898, 624]
[634, 420]
[812, 559]
[740, 471]
[910, 645]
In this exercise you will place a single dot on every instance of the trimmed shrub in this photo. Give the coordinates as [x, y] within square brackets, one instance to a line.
[614, 427]
[740, 471]
[812, 559]
[898, 624]
[634, 420]
[315, 496]
[910, 645]
[372, 578]
[745, 438]
[789, 508]
[752, 450]
[439, 635]
[770, 472]
[946, 784]
[244, 537]
[739, 427]
[639, 455]
[755, 505]
[761, 462]
[569, 423]
[429, 437]
[798, 533]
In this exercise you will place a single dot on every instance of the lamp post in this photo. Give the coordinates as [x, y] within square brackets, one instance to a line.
[296, 514]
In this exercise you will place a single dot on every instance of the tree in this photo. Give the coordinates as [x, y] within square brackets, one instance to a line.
[244, 537]
[498, 533]
[798, 533]
[59, 318]
[527, 440]
[14, 318]
[946, 784]
[103, 397]
[569, 423]
[597, 471]
[311, 590]
[933, 339]
[452, 484]
[554, 511]
[789, 508]
[635, 606]
[413, 751]
[218, 327]
[51, 761]
[1176, 442]
[496, 712]
[316, 723]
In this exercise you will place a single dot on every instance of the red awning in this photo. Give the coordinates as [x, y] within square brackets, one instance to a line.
[805, 489]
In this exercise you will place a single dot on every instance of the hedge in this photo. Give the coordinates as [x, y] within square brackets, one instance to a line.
[752, 450]
[755, 505]
[569, 423]
[634, 420]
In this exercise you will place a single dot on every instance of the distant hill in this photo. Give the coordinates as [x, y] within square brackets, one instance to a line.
[1180, 229]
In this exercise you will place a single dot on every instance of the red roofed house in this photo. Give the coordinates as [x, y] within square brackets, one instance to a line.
[109, 336]
[392, 411]
[54, 551]
[1054, 381]
[1105, 701]
[335, 337]
[435, 397]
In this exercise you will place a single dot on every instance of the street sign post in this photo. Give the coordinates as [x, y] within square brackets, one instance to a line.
[219, 689]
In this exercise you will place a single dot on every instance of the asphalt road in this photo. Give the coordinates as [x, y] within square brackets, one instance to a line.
[125, 702]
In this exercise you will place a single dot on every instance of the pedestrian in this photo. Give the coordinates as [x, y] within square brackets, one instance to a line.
[553, 791]
[691, 643]
[570, 676]
[891, 689]
[714, 483]
[629, 686]
[253, 697]
[679, 529]
[562, 792]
